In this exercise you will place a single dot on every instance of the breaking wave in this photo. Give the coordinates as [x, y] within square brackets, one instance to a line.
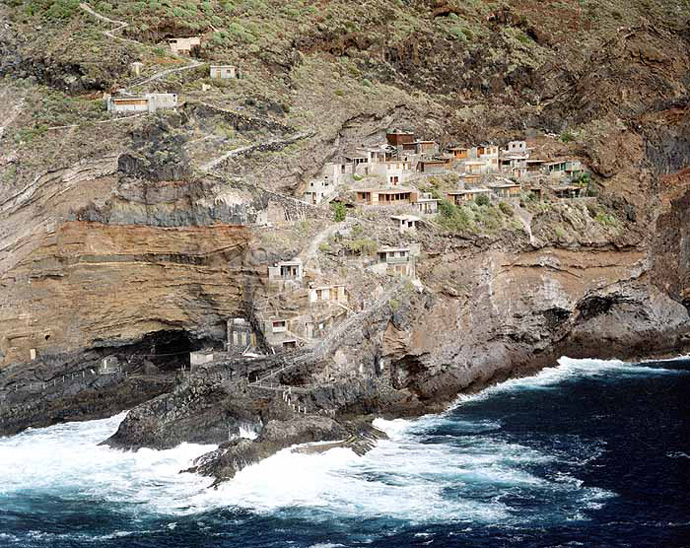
[456, 467]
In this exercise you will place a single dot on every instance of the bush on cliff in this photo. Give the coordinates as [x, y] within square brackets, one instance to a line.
[339, 212]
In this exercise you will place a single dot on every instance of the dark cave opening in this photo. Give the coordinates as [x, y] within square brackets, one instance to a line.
[167, 350]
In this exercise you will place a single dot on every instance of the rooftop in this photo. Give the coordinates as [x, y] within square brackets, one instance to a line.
[405, 218]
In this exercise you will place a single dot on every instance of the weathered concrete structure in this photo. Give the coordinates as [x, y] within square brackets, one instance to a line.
[151, 102]
[222, 72]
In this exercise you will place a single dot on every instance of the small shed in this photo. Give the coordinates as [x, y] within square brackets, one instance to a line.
[223, 72]
[406, 223]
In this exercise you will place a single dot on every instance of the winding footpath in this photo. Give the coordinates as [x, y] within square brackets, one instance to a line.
[120, 26]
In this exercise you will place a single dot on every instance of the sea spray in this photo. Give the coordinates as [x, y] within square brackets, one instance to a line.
[528, 460]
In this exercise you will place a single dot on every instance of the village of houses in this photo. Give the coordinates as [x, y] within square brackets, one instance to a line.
[389, 176]
[302, 310]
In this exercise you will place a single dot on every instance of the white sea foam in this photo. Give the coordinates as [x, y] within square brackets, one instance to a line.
[569, 369]
[67, 459]
[406, 477]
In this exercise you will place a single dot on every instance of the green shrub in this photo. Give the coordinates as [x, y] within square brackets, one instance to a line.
[453, 218]
[567, 137]
[506, 209]
[339, 211]
[482, 200]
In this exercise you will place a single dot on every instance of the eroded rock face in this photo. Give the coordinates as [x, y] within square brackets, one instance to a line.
[89, 284]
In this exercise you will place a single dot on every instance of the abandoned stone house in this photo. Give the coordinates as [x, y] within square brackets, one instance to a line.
[200, 357]
[426, 204]
[564, 169]
[432, 166]
[386, 196]
[517, 147]
[279, 335]
[506, 189]
[151, 102]
[398, 139]
[184, 46]
[567, 191]
[425, 147]
[514, 165]
[477, 167]
[286, 271]
[222, 72]
[336, 294]
[406, 223]
[460, 153]
[395, 260]
[317, 191]
[461, 197]
[136, 68]
[395, 172]
[240, 335]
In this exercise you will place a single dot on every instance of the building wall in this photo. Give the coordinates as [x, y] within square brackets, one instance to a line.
[222, 72]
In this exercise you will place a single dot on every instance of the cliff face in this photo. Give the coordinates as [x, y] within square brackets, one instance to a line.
[137, 238]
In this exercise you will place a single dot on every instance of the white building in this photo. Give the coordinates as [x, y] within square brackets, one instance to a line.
[406, 223]
[184, 46]
[395, 172]
[286, 271]
[222, 72]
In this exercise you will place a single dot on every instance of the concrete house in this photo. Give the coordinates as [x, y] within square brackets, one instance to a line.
[506, 189]
[394, 171]
[399, 139]
[222, 72]
[151, 102]
[462, 197]
[328, 293]
[200, 357]
[286, 271]
[183, 46]
[561, 169]
[317, 191]
[515, 165]
[426, 147]
[278, 334]
[517, 147]
[476, 167]
[432, 166]
[394, 260]
[567, 191]
[426, 204]
[461, 153]
[386, 196]
[136, 68]
[406, 223]
[240, 335]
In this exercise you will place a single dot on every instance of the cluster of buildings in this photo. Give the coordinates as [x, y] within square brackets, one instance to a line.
[126, 103]
[404, 159]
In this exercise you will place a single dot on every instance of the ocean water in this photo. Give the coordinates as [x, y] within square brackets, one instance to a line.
[590, 453]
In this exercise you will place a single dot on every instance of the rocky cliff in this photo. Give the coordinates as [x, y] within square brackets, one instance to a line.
[126, 243]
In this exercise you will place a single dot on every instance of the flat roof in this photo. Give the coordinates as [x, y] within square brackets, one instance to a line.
[393, 249]
[566, 187]
[503, 185]
[405, 218]
[387, 190]
[469, 191]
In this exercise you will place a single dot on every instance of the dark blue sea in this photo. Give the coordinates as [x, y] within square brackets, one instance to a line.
[589, 453]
